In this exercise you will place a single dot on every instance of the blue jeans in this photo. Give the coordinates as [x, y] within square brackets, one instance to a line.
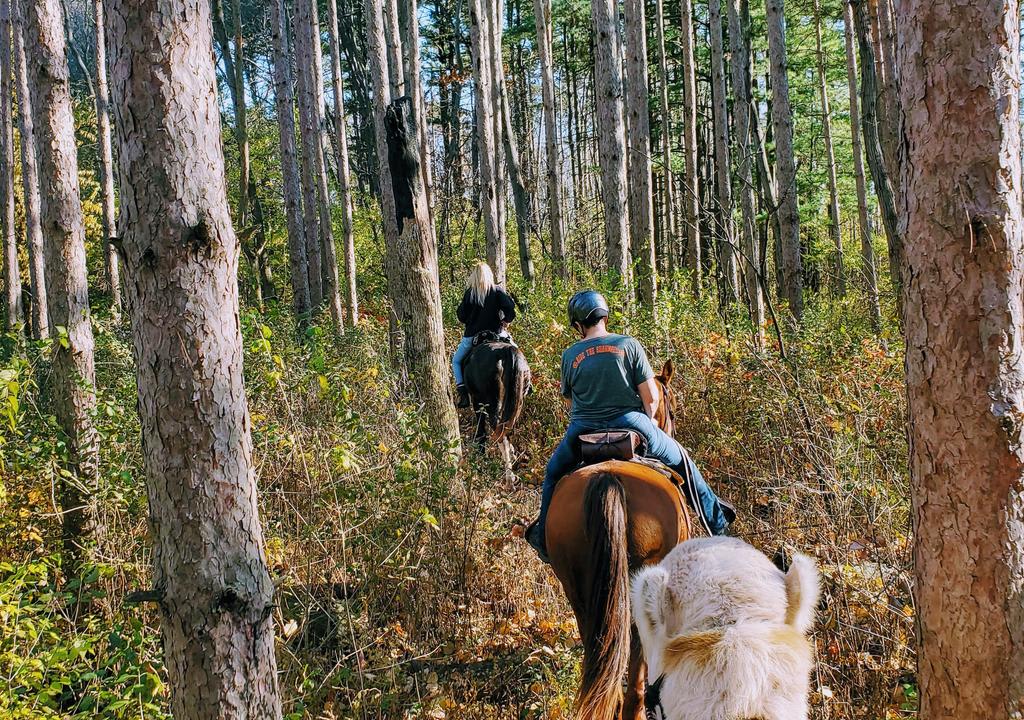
[659, 446]
[465, 345]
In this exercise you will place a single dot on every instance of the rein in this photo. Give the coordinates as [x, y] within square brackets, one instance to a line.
[652, 700]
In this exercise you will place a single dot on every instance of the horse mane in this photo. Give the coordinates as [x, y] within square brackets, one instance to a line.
[606, 636]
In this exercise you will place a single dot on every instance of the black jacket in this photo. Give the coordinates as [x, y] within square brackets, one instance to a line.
[498, 308]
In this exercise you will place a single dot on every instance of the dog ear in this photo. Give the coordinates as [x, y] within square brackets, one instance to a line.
[803, 588]
[648, 598]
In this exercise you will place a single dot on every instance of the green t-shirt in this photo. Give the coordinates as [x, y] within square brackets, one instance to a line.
[601, 376]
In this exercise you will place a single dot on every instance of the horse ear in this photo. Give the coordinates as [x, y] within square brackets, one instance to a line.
[666, 372]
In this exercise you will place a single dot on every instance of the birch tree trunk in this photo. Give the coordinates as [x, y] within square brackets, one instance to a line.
[30, 179]
[542, 18]
[211, 581]
[959, 66]
[410, 254]
[481, 35]
[830, 158]
[106, 158]
[285, 103]
[641, 197]
[341, 159]
[12, 273]
[739, 46]
[70, 389]
[668, 199]
[726, 257]
[611, 135]
[866, 249]
[782, 128]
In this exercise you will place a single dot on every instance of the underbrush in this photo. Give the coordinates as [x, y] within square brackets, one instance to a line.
[403, 592]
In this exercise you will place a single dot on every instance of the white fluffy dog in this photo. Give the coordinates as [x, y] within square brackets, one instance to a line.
[724, 631]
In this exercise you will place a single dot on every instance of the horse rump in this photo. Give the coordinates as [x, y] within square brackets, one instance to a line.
[514, 374]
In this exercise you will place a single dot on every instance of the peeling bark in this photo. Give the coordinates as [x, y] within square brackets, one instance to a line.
[959, 64]
[211, 580]
[70, 389]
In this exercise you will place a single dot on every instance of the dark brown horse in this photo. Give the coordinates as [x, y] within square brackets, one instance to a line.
[606, 521]
[498, 378]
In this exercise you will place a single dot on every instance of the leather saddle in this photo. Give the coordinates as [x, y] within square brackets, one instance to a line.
[630, 446]
[611, 444]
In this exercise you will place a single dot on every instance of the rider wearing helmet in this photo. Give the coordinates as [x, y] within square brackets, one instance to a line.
[609, 382]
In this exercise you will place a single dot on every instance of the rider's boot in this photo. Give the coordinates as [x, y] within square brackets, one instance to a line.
[463, 396]
[536, 541]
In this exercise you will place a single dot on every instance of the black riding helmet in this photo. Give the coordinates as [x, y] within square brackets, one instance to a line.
[586, 307]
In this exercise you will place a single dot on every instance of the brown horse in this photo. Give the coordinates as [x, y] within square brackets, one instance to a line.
[606, 521]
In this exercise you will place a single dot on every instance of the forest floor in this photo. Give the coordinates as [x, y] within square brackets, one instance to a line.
[404, 592]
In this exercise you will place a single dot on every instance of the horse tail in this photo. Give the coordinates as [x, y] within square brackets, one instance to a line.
[514, 382]
[606, 637]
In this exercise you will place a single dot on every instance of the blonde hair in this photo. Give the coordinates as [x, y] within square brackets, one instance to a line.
[480, 282]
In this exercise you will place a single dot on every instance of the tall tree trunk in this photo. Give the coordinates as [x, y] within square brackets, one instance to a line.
[496, 58]
[341, 159]
[866, 249]
[313, 101]
[309, 134]
[872, 145]
[487, 135]
[668, 218]
[641, 197]
[411, 257]
[70, 388]
[106, 161]
[542, 18]
[889, 121]
[521, 195]
[409, 16]
[691, 192]
[12, 274]
[611, 135]
[726, 257]
[211, 581]
[830, 158]
[30, 179]
[297, 263]
[241, 122]
[393, 38]
[739, 45]
[782, 127]
[959, 67]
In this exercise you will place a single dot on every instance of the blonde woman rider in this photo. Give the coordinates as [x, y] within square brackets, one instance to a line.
[484, 306]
